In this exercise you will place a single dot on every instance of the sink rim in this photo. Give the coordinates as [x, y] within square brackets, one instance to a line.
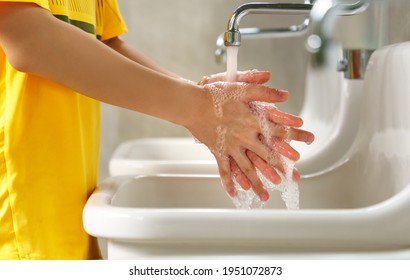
[349, 226]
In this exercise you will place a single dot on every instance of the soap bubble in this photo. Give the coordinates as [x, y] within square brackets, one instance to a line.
[289, 189]
[220, 96]
[219, 149]
[246, 199]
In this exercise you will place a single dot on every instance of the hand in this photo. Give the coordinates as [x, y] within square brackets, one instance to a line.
[249, 77]
[238, 145]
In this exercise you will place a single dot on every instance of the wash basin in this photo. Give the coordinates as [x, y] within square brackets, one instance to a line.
[162, 155]
[180, 216]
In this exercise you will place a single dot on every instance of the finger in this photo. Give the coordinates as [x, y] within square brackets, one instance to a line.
[253, 77]
[271, 151]
[264, 151]
[284, 170]
[220, 77]
[289, 133]
[267, 171]
[272, 113]
[284, 125]
[250, 77]
[255, 92]
[279, 117]
[239, 176]
[270, 159]
[249, 171]
[226, 176]
[295, 175]
[284, 149]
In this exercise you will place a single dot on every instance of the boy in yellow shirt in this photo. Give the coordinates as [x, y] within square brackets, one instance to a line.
[58, 59]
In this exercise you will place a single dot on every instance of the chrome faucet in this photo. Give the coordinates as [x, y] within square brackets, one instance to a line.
[232, 37]
[317, 14]
[234, 34]
[323, 9]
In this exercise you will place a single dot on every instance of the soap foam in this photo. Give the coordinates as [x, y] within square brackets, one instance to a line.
[219, 149]
[247, 199]
[289, 189]
[220, 96]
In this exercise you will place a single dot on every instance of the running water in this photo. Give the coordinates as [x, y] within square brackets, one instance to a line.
[288, 188]
[231, 63]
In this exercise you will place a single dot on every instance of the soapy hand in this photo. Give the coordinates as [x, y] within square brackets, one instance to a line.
[249, 77]
[239, 145]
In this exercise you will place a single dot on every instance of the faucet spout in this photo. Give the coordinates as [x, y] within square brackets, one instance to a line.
[232, 37]
[318, 41]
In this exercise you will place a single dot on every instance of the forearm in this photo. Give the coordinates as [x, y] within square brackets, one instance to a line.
[130, 52]
[70, 57]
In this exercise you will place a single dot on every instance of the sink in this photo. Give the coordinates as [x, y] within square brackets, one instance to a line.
[162, 155]
[190, 216]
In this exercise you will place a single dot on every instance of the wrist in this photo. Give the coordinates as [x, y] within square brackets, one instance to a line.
[194, 106]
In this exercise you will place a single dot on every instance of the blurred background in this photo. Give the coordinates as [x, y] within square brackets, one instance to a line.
[180, 35]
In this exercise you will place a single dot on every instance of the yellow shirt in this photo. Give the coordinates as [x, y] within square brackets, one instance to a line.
[49, 144]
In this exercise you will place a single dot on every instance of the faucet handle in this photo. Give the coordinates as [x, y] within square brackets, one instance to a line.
[354, 63]
[319, 40]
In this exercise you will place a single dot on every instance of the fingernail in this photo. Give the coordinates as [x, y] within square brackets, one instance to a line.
[232, 193]
[292, 155]
[309, 139]
[264, 196]
[246, 186]
[283, 92]
[296, 176]
[275, 179]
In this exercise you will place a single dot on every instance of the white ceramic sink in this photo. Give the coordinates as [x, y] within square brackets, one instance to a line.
[175, 216]
[162, 155]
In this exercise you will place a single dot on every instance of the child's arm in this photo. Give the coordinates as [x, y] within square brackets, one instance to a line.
[125, 49]
[252, 77]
